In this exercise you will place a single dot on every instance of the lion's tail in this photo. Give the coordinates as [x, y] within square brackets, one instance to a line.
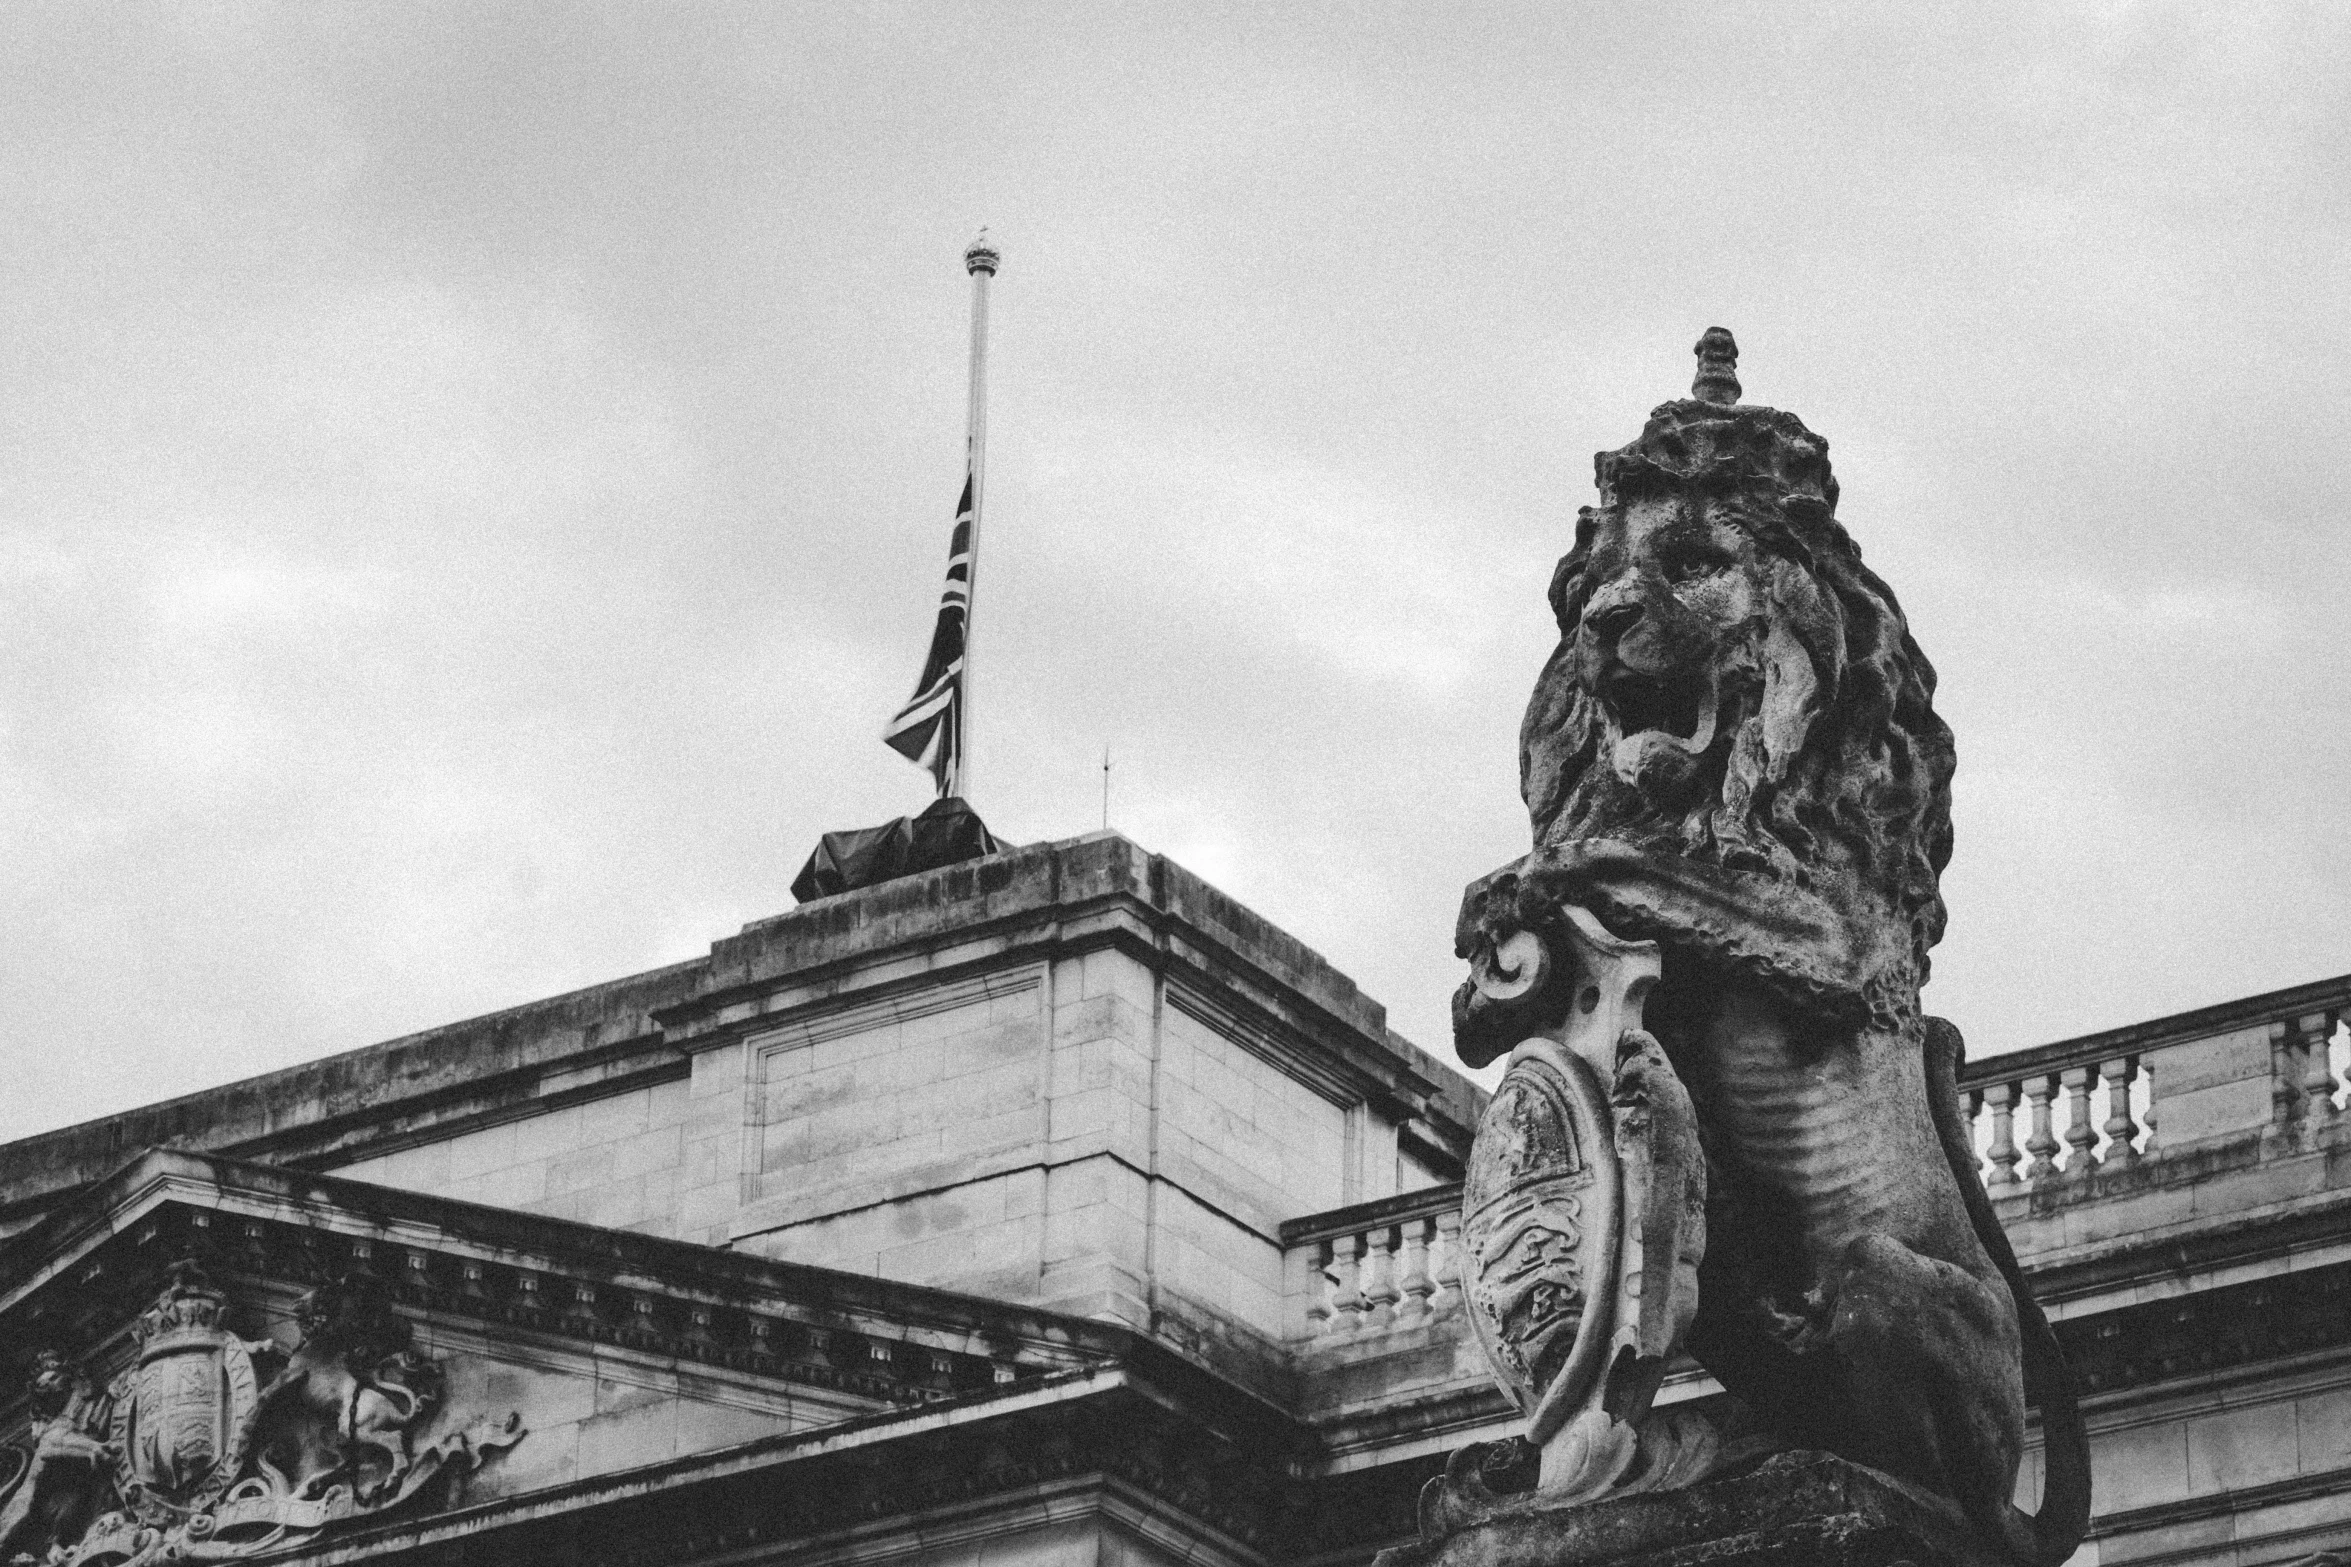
[2048, 1537]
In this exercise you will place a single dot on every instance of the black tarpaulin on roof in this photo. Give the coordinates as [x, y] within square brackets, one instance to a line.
[947, 832]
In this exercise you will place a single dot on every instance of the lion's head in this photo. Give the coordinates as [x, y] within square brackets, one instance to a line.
[1734, 690]
[52, 1384]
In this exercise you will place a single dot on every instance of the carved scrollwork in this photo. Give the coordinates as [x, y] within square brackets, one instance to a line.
[1583, 1212]
[1518, 973]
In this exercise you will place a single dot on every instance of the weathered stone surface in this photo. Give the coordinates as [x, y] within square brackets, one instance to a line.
[693, 1404]
[709, 1397]
[1734, 753]
[202, 1460]
[635, 1035]
[1800, 1510]
[1583, 1224]
[1069, 1075]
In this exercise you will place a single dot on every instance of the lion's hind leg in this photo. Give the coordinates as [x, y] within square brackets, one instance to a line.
[1929, 1351]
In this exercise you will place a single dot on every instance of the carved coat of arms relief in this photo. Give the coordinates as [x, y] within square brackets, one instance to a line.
[1538, 1222]
[183, 1412]
[192, 1454]
[1583, 1220]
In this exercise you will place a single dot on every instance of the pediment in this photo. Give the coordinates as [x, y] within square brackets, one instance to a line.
[199, 1352]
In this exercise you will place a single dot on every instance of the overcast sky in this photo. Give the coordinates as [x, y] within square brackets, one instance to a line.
[474, 479]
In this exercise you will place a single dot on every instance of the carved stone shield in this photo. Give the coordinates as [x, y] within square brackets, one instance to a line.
[1539, 1228]
[183, 1412]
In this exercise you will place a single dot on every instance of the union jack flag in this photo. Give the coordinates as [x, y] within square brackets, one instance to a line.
[928, 730]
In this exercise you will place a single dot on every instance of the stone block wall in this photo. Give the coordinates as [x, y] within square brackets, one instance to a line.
[2277, 1456]
[1241, 1133]
[617, 1162]
[2213, 1087]
[1057, 1134]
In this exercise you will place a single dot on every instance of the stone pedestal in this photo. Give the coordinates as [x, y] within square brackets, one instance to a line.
[1796, 1510]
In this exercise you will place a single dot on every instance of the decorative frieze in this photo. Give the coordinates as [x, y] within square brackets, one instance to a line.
[2210, 1330]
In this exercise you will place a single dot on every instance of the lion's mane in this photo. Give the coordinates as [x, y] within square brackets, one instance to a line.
[1855, 812]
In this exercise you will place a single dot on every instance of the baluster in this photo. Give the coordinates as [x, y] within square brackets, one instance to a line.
[1321, 1310]
[2121, 1129]
[1447, 1271]
[2003, 1152]
[2080, 1135]
[2147, 1117]
[1379, 1280]
[1413, 1274]
[2318, 1073]
[1346, 1274]
[2042, 1144]
[2285, 1081]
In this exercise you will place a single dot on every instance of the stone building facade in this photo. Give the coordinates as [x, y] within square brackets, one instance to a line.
[1048, 1208]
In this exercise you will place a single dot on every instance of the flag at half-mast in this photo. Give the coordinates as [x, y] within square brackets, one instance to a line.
[928, 730]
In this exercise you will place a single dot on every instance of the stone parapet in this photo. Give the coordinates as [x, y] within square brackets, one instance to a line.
[2266, 1067]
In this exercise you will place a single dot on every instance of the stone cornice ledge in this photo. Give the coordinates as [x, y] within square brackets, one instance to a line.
[1105, 1422]
[765, 1455]
[246, 1205]
[2170, 1516]
[2287, 1232]
[100, 1258]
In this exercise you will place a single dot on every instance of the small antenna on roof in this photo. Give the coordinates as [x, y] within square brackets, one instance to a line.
[1105, 788]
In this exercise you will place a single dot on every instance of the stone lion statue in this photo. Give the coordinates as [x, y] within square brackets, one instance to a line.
[1734, 753]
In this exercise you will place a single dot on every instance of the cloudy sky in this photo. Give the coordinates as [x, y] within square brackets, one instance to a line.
[474, 478]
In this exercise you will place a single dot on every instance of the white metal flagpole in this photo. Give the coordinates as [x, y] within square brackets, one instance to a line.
[979, 259]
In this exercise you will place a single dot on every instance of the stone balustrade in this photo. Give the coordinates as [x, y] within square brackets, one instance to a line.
[1376, 1267]
[2268, 1067]
[2266, 1070]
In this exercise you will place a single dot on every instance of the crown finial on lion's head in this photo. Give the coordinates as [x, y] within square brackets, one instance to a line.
[1718, 359]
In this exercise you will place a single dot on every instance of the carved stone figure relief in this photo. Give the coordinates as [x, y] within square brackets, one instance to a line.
[1733, 765]
[59, 1481]
[192, 1456]
[350, 1394]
